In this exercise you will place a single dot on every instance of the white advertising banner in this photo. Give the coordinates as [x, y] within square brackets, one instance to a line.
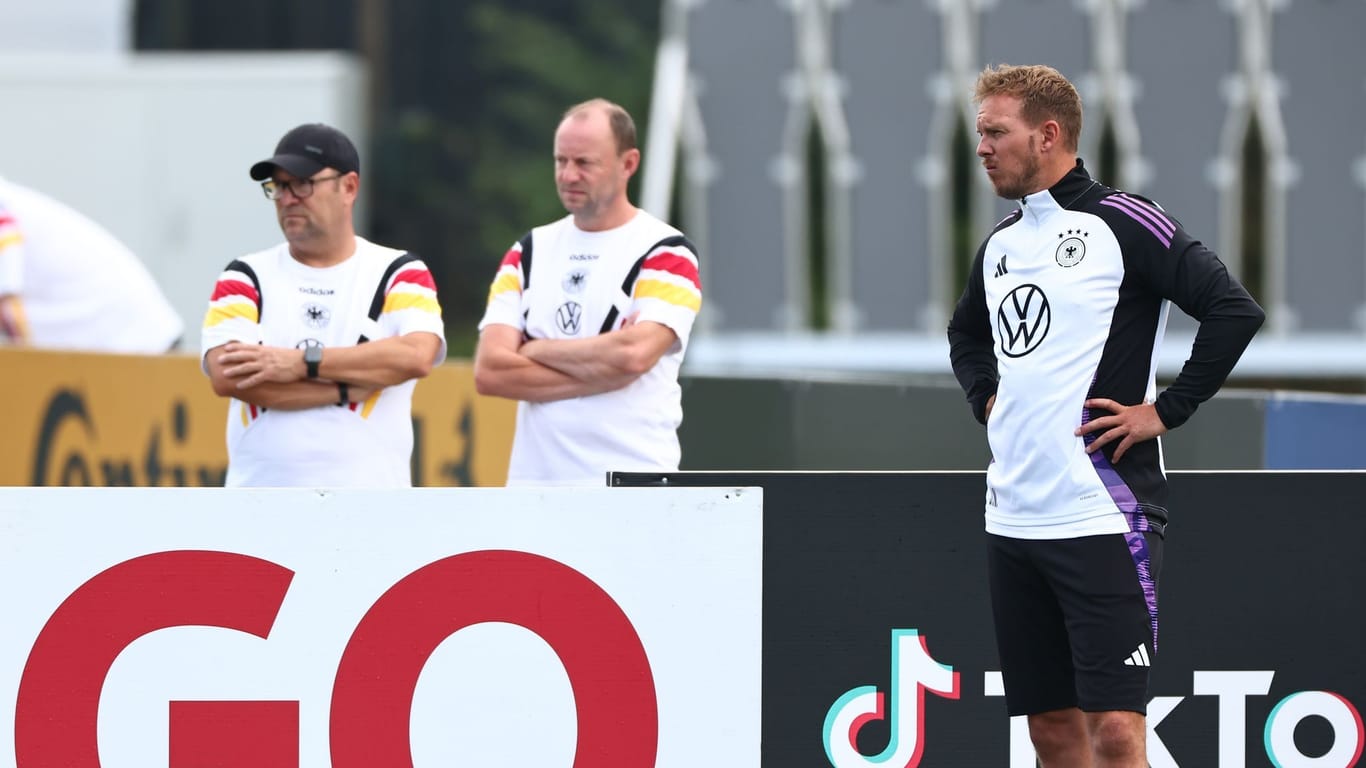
[574, 628]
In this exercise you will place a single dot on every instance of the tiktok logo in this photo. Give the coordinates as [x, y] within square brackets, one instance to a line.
[913, 672]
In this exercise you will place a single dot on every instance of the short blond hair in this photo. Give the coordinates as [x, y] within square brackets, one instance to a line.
[1043, 92]
[623, 127]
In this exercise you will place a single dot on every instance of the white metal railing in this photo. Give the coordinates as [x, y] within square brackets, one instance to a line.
[813, 96]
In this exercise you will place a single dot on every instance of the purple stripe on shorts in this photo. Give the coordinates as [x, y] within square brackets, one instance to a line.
[1124, 499]
[1147, 223]
[1138, 549]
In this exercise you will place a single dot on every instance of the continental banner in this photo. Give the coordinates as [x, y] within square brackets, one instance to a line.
[122, 420]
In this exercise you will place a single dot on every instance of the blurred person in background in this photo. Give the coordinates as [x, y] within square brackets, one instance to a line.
[588, 319]
[1055, 340]
[67, 283]
[319, 341]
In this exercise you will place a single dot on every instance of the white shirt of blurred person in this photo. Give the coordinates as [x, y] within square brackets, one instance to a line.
[319, 341]
[588, 319]
[67, 283]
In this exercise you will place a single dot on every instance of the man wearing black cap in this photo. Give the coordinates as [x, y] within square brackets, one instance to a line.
[319, 341]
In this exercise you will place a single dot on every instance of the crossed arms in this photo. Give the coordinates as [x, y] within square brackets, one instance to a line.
[543, 370]
[276, 377]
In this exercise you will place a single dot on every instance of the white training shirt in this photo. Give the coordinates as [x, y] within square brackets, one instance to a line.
[580, 284]
[80, 287]
[1067, 300]
[270, 298]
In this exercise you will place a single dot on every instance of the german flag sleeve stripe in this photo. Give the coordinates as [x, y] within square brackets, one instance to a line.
[670, 274]
[412, 288]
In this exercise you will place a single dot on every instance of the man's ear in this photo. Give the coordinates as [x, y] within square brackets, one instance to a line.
[1052, 134]
[630, 161]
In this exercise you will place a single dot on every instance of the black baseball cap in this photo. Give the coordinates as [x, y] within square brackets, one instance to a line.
[308, 149]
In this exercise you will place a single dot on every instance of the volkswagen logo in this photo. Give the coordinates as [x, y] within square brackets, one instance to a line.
[568, 317]
[1022, 320]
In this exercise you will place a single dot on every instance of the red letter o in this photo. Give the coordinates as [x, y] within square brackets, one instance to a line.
[614, 692]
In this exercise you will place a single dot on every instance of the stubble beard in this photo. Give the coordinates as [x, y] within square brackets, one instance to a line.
[587, 209]
[1025, 182]
[301, 232]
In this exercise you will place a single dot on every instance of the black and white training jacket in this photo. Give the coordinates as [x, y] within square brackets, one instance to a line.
[1067, 300]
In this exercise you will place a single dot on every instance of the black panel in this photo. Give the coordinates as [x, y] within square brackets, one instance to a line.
[1261, 573]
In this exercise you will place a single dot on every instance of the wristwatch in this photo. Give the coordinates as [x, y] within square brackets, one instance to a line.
[313, 355]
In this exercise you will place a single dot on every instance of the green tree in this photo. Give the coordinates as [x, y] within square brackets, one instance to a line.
[470, 168]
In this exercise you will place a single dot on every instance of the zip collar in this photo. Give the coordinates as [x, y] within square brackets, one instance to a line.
[1060, 196]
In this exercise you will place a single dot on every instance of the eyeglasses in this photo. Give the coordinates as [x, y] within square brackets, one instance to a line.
[275, 189]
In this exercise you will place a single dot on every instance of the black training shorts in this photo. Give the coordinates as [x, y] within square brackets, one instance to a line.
[1076, 620]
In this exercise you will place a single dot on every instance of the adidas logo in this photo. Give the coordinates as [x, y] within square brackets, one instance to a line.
[1138, 658]
[1001, 267]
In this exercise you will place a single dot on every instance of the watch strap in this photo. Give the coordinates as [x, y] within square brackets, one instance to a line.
[313, 356]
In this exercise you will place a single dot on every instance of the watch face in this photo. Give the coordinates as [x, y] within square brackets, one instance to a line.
[313, 354]
[313, 349]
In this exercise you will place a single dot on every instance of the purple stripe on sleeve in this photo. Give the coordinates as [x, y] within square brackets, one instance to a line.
[1152, 211]
[1148, 225]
